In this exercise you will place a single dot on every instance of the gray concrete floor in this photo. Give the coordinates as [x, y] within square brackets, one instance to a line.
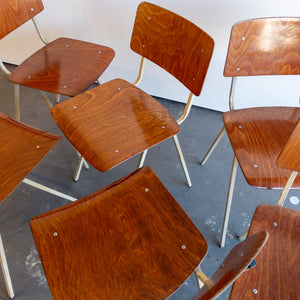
[204, 202]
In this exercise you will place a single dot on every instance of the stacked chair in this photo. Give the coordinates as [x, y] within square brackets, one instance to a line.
[64, 66]
[115, 121]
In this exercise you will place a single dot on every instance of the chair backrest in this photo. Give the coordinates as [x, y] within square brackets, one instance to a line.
[14, 13]
[236, 262]
[277, 273]
[265, 46]
[289, 156]
[174, 43]
[21, 148]
[130, 240]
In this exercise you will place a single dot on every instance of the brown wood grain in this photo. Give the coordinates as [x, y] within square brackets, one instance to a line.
[14, 13]
[257, 136]
[174, 43]
[277, 273]
[266, 46]
[130, 240]
[235, 263]
[21, 148]
[65, 67]
[113, 122]
[290, 156]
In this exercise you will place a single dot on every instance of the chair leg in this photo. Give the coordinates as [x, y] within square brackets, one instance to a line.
[5, 270]
[213, 146]
[183, 164]
[46, 99]
[17, 102]
[78, 169]
[287, 188]
[57, 98]
[142, 159]
[229, 201]
[201, 277]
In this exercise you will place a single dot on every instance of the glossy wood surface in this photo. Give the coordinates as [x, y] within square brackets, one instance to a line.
[257, 136]
[113, 122]
[266, 46]
[65, 66]
[14, 13]
[277, 273]
[174, 43]
[21, 148]
[235, 263]
[130, 240]
[290, 156]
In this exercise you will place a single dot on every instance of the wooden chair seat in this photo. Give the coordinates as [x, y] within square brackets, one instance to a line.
[21, 148]
[63, 67]
[257, 137]
[113, 122]
[277, 273]
[129, 240]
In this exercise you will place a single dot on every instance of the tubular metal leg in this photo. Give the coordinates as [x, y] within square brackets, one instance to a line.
[179, 151]
[5, 270]
[142, 159]
[229, 201]
[46, 99]
[57, 98]
[213, 146]
[17, 102]
[85, 164]
[287, 188]
[78, 169]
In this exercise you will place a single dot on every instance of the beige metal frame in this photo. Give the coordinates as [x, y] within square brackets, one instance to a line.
[222, 131]
[5, 271]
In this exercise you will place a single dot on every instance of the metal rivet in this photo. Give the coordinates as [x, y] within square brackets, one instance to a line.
[243, 38]
[275, 224]
[240, 126]
[238, 69]
[67, 45]
[255, 166]
[55, 234]
[146, 190]
[242, 254]
[149, 18]
[183, 247]
[163, 127]
[38, 147]
[31, 9]
[255, 291]
[117, 151]
[202, 50]
[143, 46]
[74, 106]
[119, 89]
[99, 52]
[29, 77]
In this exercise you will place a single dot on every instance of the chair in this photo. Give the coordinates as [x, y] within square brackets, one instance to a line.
[264, 46]
[129, 240]
[277, 273]
[258, 137]
[64, 66]
[29, 145]
[121, 120]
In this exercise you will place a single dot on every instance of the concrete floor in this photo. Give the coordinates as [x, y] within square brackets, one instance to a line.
[204, 202]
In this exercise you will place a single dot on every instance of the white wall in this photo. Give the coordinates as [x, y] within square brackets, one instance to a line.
[109, 22]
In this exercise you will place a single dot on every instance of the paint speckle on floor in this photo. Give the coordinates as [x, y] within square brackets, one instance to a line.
[294, 200]
[34, 267]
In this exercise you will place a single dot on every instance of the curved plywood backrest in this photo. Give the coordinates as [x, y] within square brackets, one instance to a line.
[130, 240]
[235, 263]
[277, 273]
[266, 46]
[174, 43]
[14, 13]
[289, 156]
[21, 148]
